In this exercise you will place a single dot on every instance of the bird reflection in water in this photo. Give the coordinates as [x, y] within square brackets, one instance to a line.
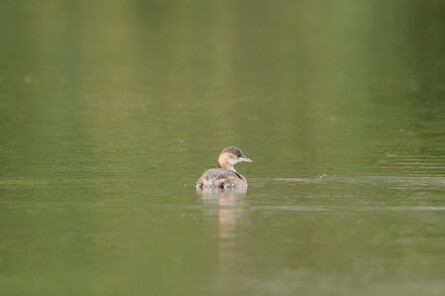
[229, 208]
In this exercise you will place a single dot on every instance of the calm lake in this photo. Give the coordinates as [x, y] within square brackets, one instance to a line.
[110, 112]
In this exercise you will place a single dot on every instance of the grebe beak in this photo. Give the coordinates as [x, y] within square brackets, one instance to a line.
[246, 159]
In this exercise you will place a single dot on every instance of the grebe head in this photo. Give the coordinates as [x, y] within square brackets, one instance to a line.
[231, 156]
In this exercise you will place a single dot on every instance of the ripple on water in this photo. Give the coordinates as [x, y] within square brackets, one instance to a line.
[377, 180]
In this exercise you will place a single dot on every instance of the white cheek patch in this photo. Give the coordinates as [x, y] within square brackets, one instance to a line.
[234, 161]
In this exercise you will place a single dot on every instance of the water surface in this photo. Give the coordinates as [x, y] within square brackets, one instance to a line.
[110, 113]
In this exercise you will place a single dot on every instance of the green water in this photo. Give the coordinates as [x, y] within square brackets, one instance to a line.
[110, 111]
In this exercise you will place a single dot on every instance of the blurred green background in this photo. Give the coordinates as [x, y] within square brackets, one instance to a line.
[110, 111]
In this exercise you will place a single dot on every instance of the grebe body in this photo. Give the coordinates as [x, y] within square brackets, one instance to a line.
[225, 176]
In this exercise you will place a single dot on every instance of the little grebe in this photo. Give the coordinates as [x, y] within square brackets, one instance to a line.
[225, 176]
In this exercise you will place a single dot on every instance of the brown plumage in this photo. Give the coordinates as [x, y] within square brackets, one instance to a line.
[225, 176]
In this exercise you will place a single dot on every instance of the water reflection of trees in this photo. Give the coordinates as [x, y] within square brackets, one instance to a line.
[302, 74]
